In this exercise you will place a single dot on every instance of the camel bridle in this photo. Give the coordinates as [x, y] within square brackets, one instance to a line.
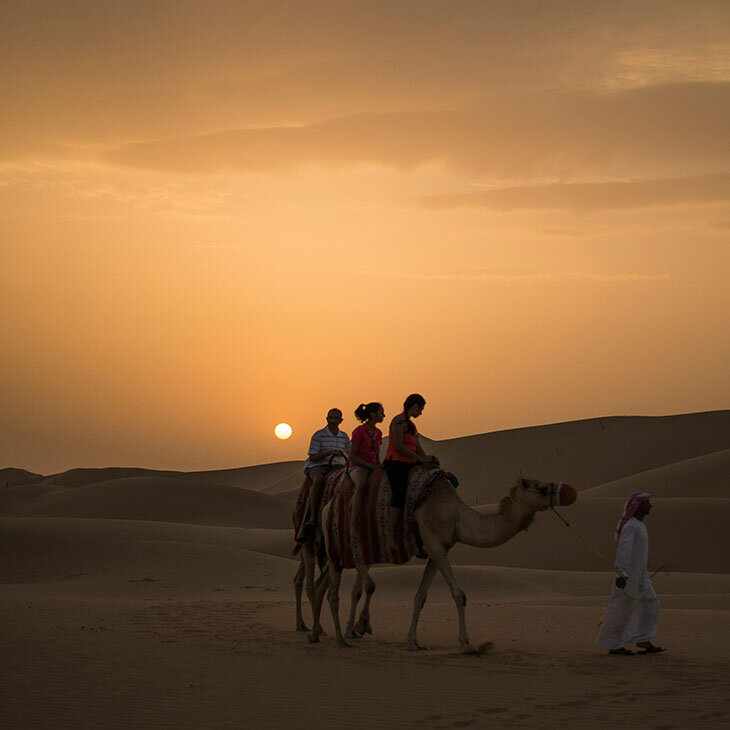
[543, 491]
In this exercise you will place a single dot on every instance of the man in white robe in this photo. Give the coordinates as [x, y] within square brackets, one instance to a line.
[633, 610]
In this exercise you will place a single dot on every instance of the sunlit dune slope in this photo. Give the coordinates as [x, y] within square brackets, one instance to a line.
[582, 453]
[258, 477]
[82, 477]
[162, 499]
[121, 552]
[703, 476]
[263, 477]
[22, 493]
[133, 559]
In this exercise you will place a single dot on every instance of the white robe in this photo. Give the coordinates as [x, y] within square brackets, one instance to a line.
[627, 619]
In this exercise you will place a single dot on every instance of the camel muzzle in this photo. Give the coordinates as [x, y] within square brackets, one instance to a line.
[567, 495]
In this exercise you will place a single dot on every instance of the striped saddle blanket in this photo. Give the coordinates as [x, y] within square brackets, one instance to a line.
[334, 479]
[374, 519]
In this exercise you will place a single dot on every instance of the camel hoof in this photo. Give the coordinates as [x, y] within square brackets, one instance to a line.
[352, 634]
[320, 630]
[302, 627]
[313, 638]
[364, 627]
[343, 644]
[415, 646]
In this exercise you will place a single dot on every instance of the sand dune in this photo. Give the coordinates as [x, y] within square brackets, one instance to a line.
[22, 493]
[113, 557]
[256, 478]
[117, 552]
[703, 476]
[290, 494]
[581, 453]
[289, 485]
[263, 477]
[193, 572]
[162, 499]
[82, 477]
[585, 453]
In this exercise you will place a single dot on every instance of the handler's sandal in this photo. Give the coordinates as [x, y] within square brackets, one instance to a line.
[649, 648]
[623, 651]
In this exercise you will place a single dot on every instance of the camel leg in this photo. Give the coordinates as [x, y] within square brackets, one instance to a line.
[320, 588]
[315, 590]
[439, 556]
[418, 603]
[350, 632]
[298, 588]
[309, 561]
[363, 625]
[334, 599]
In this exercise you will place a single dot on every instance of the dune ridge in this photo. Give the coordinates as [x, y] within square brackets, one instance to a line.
[161, 499]
[584, 453]
[701, 476]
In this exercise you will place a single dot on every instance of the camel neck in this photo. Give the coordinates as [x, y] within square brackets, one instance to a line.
[488, 530]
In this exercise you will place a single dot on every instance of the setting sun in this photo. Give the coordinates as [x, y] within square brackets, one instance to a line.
[283, 431]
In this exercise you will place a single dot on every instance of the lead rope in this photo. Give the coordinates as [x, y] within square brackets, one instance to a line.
[606, 560]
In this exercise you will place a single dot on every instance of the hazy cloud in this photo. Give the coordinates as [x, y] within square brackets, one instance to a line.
[80, 74]
[664, 129]
[592, 196]
[574, 231]
[518, 277]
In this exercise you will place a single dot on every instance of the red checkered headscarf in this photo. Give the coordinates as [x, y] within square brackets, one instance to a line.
[630, 510]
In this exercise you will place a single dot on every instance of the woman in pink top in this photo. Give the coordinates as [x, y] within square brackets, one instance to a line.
[364, 453]
[404, 452]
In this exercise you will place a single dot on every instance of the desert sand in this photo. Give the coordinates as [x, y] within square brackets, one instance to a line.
[151, 599]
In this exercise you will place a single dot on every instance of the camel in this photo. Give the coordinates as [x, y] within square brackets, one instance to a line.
[309, 547]
[307, 558]
[443, 519]
[352, 631]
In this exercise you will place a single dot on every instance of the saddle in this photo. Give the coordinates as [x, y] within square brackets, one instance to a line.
[373, 522]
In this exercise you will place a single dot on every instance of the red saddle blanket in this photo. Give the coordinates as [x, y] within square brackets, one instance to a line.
[374, 519]
[336, 476]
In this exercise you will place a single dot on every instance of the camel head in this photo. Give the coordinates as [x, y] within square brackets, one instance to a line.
[539, 495]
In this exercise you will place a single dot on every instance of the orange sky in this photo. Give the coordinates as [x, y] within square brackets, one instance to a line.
[216, 216]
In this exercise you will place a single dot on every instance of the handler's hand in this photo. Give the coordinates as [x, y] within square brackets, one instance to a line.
[621, 581]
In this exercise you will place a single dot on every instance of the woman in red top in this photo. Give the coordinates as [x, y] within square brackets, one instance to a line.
[364, 453]
[404, 452]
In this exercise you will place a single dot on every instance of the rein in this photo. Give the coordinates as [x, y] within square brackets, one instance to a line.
[586, 541]
[611, 565]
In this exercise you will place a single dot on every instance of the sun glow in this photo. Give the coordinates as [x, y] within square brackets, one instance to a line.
[283, 431]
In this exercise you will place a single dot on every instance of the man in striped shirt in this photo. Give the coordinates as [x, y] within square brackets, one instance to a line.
[328, 449]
